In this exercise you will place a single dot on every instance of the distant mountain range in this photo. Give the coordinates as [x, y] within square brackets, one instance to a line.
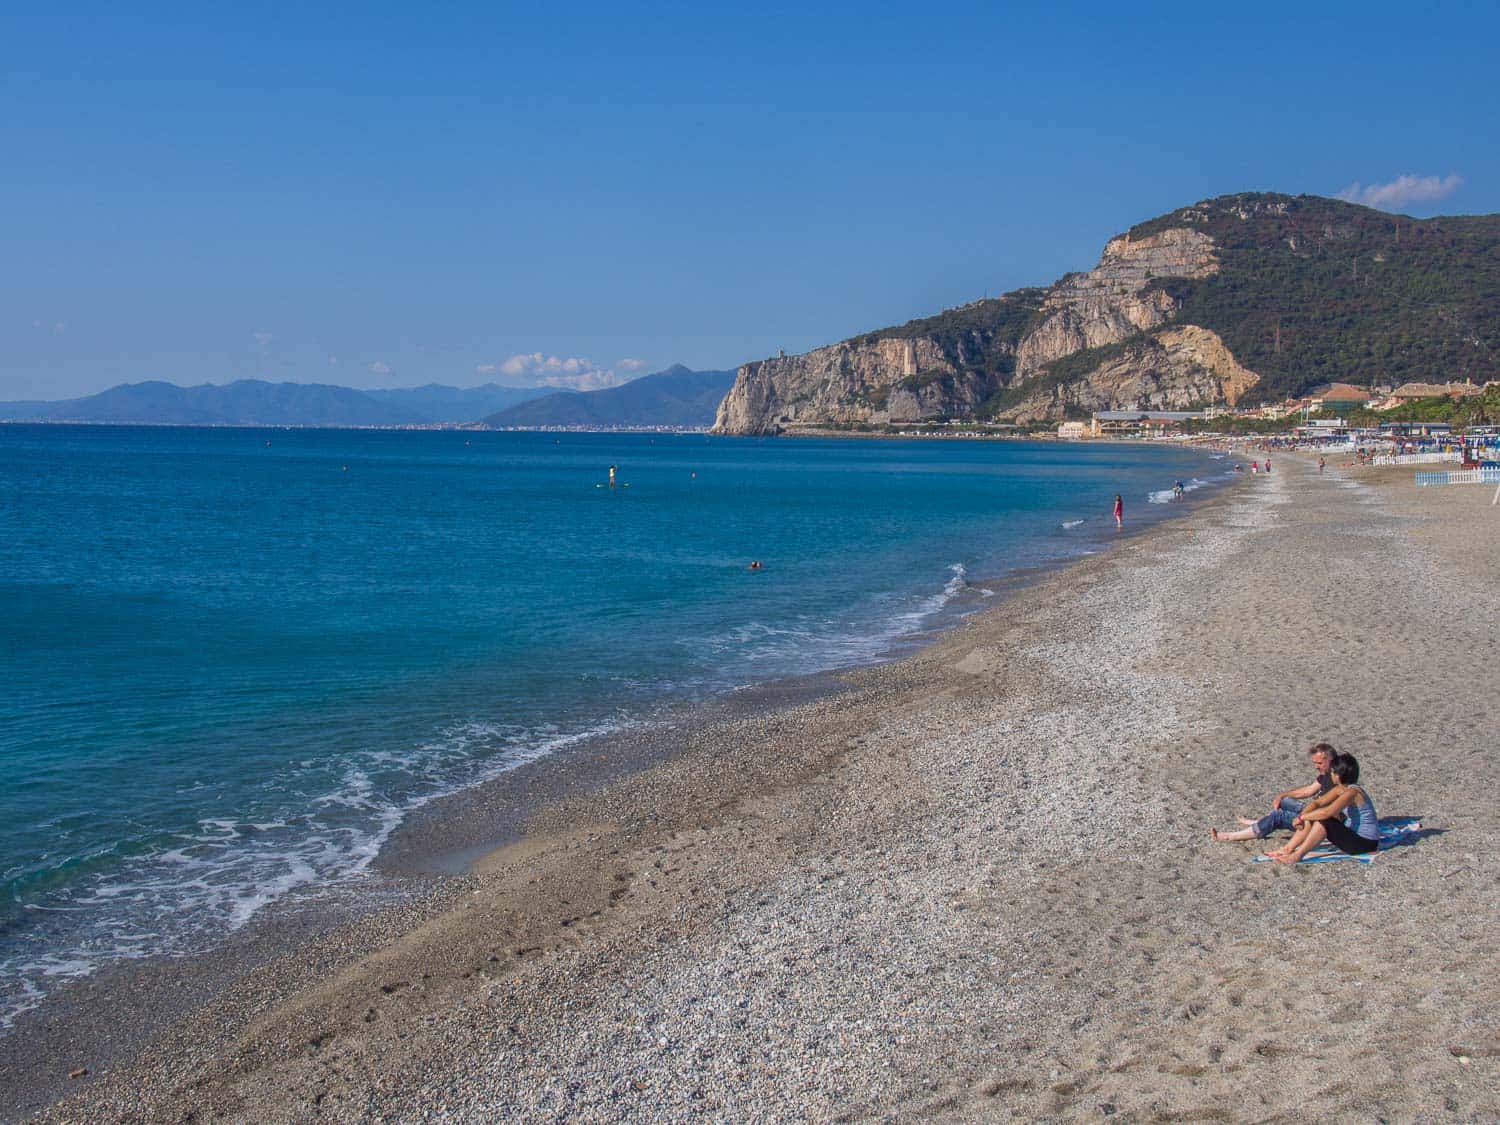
[677, 397]
[437, 403]
[674, 397]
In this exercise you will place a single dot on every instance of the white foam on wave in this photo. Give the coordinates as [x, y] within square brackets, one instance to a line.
[1071, 524]
[182, 895]
[811, 643]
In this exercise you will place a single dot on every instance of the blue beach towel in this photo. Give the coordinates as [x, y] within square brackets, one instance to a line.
[1394, 831]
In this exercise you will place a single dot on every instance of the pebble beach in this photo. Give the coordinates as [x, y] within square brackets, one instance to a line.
[974, 884]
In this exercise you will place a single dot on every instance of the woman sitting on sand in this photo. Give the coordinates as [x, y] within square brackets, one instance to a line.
[1344, 816]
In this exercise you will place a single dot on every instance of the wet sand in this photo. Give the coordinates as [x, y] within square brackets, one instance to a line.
[974, 883]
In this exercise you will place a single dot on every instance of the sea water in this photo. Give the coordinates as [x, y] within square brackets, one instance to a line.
[232, 660]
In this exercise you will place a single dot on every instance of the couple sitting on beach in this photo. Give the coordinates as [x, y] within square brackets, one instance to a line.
[1331, 808]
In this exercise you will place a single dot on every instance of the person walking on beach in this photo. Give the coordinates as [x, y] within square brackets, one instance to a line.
[1320, 466]
[1290, 802]
[1119, 511]
[1177, 491]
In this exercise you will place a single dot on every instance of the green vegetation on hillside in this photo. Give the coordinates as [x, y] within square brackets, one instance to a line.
[1055, 374]
[978, 337]
[1476, 410]
[1313, 290]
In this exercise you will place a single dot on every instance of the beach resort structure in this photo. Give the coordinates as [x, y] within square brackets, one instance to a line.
[1340, 398]
[1142, 421]
[1408, 392]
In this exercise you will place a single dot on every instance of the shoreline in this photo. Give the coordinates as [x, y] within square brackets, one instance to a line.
[868, 638]
[965, 885]
[429, 858]
[452, 833]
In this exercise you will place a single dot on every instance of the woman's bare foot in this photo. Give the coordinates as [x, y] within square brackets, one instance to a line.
[1245, 822]
[1214, 833]
[1282, 857]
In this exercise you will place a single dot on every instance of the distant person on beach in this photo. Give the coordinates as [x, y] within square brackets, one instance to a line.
[1268, 464]
[612, 470]
[1345, 816]
[1289, 802]
[1177, 491]
[1255, 466]
[755, 565]
[1321, 463]
[1119, 510]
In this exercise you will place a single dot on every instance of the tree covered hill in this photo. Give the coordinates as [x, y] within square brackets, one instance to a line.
[1239, 299]
[1313, 290]
[1309, 290]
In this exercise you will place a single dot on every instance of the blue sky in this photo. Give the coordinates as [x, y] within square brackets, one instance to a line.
[383, 195]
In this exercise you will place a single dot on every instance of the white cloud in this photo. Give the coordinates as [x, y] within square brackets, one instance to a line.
[1403, 191]
[631, 364]
[380, 368]
[538, 370]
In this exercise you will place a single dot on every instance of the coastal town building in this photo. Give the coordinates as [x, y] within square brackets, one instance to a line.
[1340, 398]
[1141, 421]
[1073, 430]
[1407, 392]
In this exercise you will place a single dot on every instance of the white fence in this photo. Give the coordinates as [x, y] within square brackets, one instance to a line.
[1417, 458]
[1461, 476]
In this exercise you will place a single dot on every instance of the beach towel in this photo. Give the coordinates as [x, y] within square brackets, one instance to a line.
[1394, 831]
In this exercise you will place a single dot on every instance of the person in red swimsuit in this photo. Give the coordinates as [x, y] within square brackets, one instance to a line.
[1119, 511]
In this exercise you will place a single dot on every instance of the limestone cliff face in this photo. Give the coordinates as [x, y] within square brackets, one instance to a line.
[946, 367]
[1174, 369]
[1111, 302]
[886, 380]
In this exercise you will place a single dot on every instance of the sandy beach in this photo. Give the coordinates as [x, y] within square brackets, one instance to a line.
[976, 883]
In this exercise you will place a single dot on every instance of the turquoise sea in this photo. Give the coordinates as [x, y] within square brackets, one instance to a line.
[234, 659]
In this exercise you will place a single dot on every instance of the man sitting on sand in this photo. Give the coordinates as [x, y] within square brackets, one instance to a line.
[1287, 805]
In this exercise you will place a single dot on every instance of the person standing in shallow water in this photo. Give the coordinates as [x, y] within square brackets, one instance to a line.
[1119, 511]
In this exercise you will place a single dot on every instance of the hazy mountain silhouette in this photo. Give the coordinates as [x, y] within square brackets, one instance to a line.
[253, 402]
[674, 397]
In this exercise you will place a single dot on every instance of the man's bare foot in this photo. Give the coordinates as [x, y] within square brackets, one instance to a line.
[1214, 832]
[1245, 821]
[1282, 857]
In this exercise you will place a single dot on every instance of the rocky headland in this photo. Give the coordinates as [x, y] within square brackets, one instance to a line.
[1234, 299]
